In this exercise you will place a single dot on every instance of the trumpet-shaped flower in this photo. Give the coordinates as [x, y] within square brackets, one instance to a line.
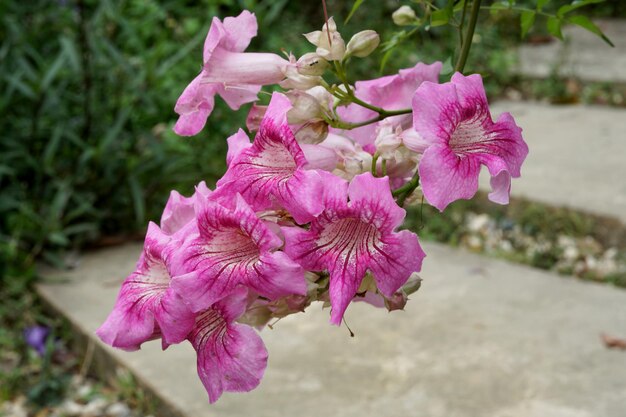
[236, 76]
[454, 119]
[231, 356]
[272, 172]
[231, 247]
[350, 238]
[147, 306]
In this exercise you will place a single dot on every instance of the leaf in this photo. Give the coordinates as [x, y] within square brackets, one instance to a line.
[52, 71]
[439, 18]
[554, 27]
[527, 19]
[575, 5]
[138, 200]
[541, 3]
[355, 7]
[585, 23]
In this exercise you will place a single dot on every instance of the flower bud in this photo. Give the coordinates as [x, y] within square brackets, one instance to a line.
[404, 16]
[312, 132]
[363, 43]
[304, 108]
[311, 64]
[333, 50]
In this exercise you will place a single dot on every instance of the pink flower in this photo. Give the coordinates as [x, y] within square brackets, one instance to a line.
[146, 306]
[231, 247]
[454, 119]
[236, 76]
[272, 172]
[350, 238]
[231, 356]
[392, 92]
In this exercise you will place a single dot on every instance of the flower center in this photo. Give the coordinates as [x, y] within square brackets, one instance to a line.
[349, 238]
[466, 137]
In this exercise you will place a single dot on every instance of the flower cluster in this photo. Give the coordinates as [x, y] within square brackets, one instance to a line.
[310, 209]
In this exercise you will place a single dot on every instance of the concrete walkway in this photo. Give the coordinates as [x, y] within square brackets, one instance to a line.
[577, 156]
[482, 338]
[583, 54]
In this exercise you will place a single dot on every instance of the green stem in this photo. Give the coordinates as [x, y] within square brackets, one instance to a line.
[469, 35]
[407, 189]
[374, 162]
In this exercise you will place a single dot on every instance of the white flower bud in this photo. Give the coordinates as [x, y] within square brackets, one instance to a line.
[333, 50]
[311, 64]
[363, 43]
[304, 108]
[404, 16]
[312, 132]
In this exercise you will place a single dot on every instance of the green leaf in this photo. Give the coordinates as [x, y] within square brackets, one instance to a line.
[439, 18]
[138, 199]
[528, 19]
[575, 5]
[541, 3]
[355, 7]
[585, 23]
[554, 27]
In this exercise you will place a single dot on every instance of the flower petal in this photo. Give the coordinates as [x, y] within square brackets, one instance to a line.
[446, 177]
[194, 106]
[395, 259]
[231, 357]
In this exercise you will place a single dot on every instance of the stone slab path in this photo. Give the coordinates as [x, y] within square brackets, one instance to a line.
[577, 156]
[481, 338]
[583, 55]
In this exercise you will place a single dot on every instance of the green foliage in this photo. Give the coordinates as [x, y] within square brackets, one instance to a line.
[87, 90]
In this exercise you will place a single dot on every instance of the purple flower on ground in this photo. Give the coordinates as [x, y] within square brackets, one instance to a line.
[350, 238]
[36, 337]
[454, 120]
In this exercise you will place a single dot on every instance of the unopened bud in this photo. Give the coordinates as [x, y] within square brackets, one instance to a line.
[404, 16]
[312, 132]
[330, 45]
[311, 64]
[304, 107]
[300, 82]
[363, 43]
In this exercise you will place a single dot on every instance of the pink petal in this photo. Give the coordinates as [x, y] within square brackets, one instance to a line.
[194, 106]
[239, 31]
[231, 357]
[394, 260]
[445, 177]
[319, 157]
[146, 306]
[177, 213]
[375, 195]
[237, 143]
[244, 68]
[236, 95]
[279, 276]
